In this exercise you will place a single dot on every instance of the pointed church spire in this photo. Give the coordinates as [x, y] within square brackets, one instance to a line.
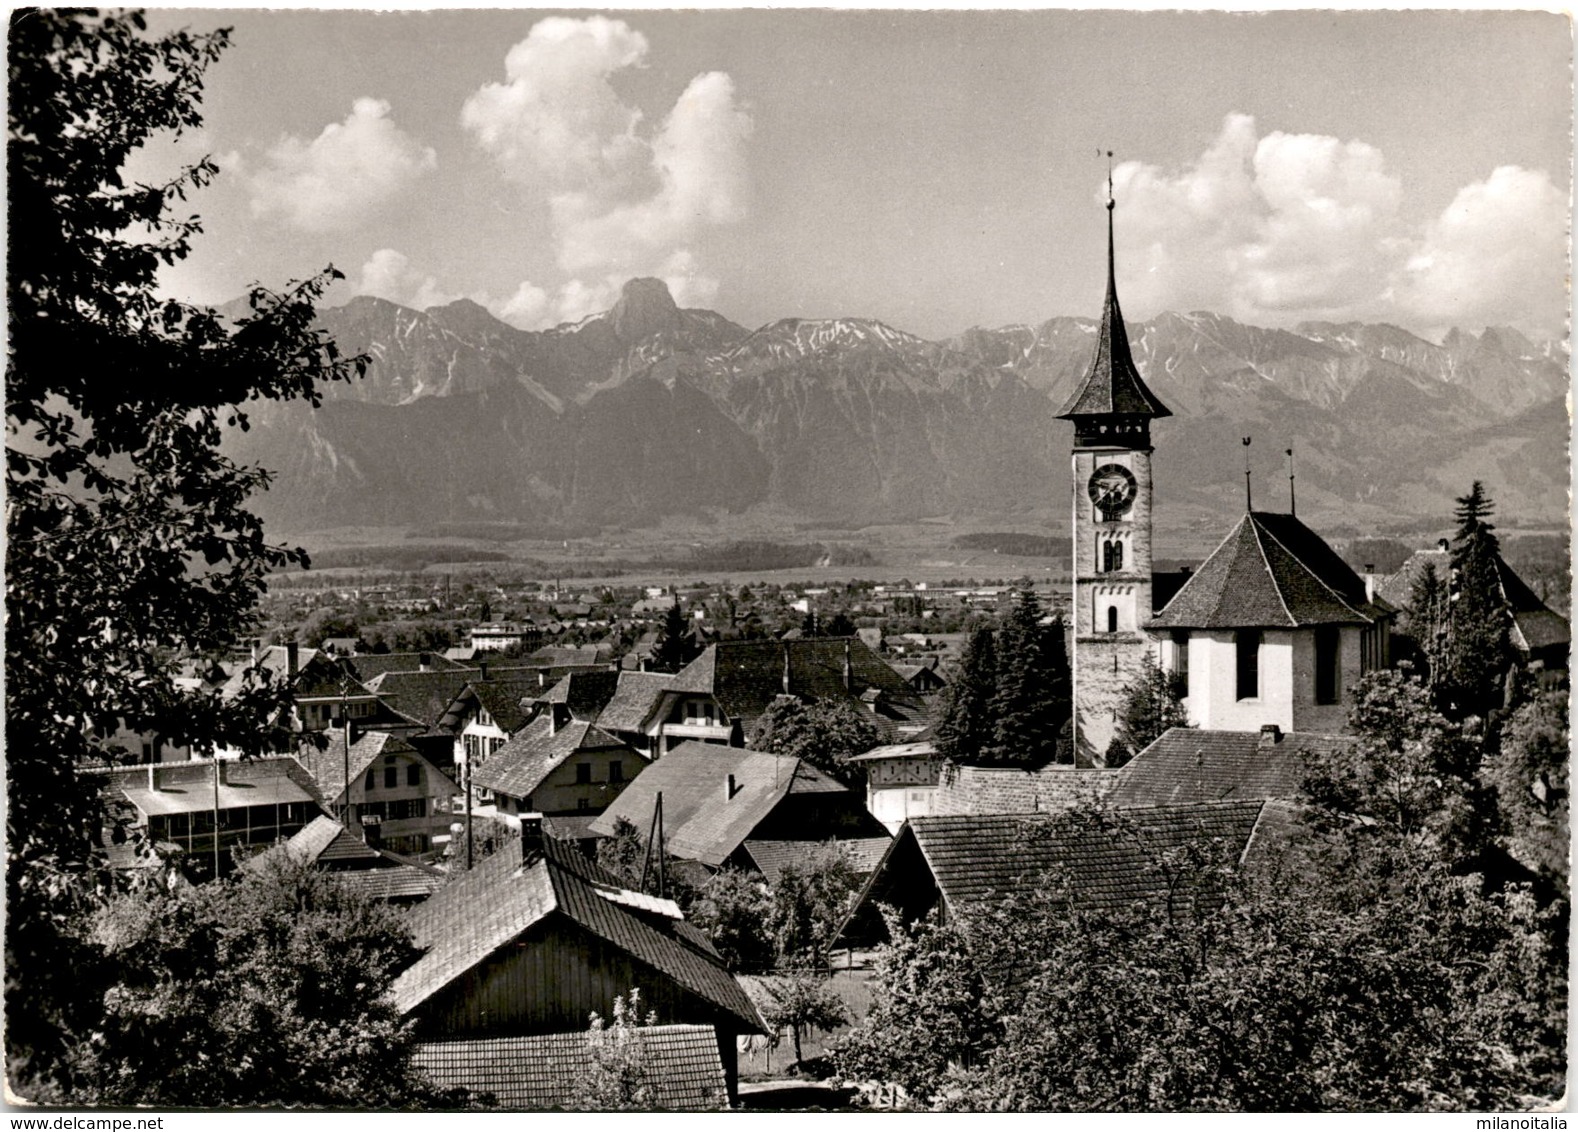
[1112, 385]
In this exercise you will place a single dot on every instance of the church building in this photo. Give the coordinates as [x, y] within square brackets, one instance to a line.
[1270, 631]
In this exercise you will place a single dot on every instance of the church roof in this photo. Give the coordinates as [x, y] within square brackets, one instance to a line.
[1112, 384]
[1270, 572]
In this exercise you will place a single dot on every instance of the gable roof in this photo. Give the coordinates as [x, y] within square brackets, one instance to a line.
[1110, 858]
[328, 765]
[186, 788]
[771, 857]
[371, 664]
[480, 911]
[1188, 766]
[1271, 571]
[699, 822]
[635, 696]
[745, 676]
[502, 696]
[423, 696]
[543, 1071]
[1538, 625]
[274, 659]
[519, 767]
[584, 693]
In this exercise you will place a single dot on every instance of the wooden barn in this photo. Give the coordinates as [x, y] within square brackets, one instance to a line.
[537, 938]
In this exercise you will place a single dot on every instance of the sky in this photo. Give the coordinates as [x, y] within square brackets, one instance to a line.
[935, 170]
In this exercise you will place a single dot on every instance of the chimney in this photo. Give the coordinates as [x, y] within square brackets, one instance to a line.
[483, 665]
[531, 837]
[730, 789]
[1270, 734]
[554, 722]
[424, 661]
[1369, 581]
[153, 778]
[224, 770]
[848, 677]
[1443, 545]
[256, 641]
[292, 657]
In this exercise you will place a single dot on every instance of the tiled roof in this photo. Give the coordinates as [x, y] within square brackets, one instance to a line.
[1539, 625]
[542, 1071]
[699, 822]
[1110, 858]
[421, 695]
[397, 882]
[481, 911]
[584, 693]
[185, 788]
[324, 839]
[1271, 571]
[745, 676]
[862, 853]
[1187, 765]
[634, 698]
[519, 767]
[502, 699]
[328, 766]
[371, 664]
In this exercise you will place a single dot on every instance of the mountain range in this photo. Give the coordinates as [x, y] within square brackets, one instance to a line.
[648, 410]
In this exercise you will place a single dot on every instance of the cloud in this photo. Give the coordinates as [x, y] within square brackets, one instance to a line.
[1286, 227]
[624, 199]
[339, 177]
[1497, 254]
[388, 274]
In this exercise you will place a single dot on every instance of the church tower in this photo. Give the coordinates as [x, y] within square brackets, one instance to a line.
[1112, 411]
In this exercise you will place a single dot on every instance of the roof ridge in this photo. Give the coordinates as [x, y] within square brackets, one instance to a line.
[1342, 601]
[1254, 526]
[1233, 531]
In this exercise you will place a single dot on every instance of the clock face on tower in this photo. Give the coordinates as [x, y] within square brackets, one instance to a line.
[1112, 490]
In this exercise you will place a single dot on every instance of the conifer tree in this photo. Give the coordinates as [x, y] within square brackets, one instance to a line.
[1151, 705]
[1032, 698]
[1478, 651]
[675, 647]
[966, 727]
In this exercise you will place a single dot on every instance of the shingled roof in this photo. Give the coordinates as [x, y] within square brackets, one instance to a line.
[771, 857]
[519, 767]
[544, 1071]
[1112, 384]
[1187, 765]
[585, 694]
[1110, 859]
[371, 664]
[745, 676]
[636, 694]
[421, 695]
[700, 822]
[1271, 572]
[494, 904]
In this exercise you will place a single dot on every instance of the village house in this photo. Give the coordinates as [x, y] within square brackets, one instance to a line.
[720, 695]
[558, 767]
[715, 799]
[1538, 633]
[206, 808]
[498, 636]
[537, 938]
[395, 792]
[901, 781]
[1108, 859]
[370, 871]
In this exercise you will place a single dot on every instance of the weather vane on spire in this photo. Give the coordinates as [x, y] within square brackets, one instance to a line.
[1249, 499]
[1110, 202]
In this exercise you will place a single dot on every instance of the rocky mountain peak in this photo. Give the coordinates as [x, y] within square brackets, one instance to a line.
[645, 308]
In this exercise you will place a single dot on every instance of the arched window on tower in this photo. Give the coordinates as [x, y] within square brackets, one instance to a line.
[1111, 556]
[1112, 618]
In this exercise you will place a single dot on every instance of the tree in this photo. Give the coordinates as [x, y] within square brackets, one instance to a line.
[735, 909]
[675, 646]
[1473, 664]
[267, 988]
[810, 900]
[1530, 774]
[1151, 705]
[1033, 697]
[825, 733]
[840, 625]
[129, 541]
[616, 1078]
[966, 729]
[803, 1001]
